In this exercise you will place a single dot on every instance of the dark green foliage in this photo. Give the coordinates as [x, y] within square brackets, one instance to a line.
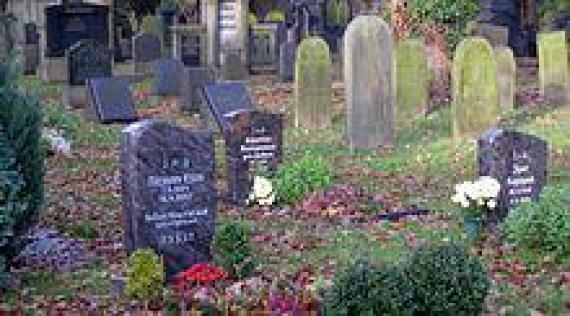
[364, 289]
[232, 250]
[20, 121]
[296, 179]
[542, 226]
[447, 281]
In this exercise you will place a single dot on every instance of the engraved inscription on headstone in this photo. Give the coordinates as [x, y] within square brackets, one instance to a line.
[88, 59]
[518, 161]
[111, 100]
[253, 143]
[168, 192]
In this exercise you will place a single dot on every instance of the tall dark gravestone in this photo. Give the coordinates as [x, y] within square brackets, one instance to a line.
[197, 78]
[111, 100]
[146, 49]
[88, 59]
[66, 24]
[518, 161]
[253, 139]
[169, 196]
[253, 143]
[31, 49]
[169, 77]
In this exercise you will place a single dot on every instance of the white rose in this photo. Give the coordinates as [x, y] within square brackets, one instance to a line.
[267, 201]
[491, 204]
[262, 187]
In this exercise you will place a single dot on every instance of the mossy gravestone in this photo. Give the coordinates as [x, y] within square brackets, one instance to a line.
[412, 79]
[313, 85]
[506, 68]
[475, 90]
[368, 74]
[553, 67]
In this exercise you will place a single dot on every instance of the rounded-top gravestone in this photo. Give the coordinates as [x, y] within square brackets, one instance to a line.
[506, 68]
[475, 106]
[313, 85]
[553, 69]
[368, 72]
[412, 80]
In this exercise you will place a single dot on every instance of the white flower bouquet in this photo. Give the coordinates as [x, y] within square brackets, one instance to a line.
[262, 192]
[477, 198]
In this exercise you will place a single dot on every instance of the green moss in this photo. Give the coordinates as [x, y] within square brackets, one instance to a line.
[151, 25]
[506, 68]
[313, 84]
[553, 67]
[475, 105]
[412, 78]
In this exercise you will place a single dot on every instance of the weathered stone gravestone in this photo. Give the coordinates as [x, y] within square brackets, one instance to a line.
[287, 55]
[111, 100]
[313, 85]
[233, 67]
[506, 69]
[8, 37]
[412, 81]
[31, 49]
[554, 79]
[253, 139]
[368, 75]
[169, 77]
[253, 142]
[169, 199]
[88, 59]
[498, 36]
[197, 78]
[475, 106]
[518, 161]
[146, 49]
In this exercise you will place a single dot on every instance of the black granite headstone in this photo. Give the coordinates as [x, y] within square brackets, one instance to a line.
[146, 47]
[253, 143]
[169, 199]
[169, 77]
[111, 100]
[31, 54]
[518, 161]
[31, 34]
[88, 59]
[287, 57]
[66, 24]
[225, 98]
[126, 48]
[197, 78]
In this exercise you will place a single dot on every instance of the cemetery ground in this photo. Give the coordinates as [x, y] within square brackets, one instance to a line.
[302, 243]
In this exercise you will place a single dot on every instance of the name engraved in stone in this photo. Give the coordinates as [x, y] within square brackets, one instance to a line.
[258, 148]
[162, 220]
[258, 140]
[520, 169]
[174, 188]
[520, 181]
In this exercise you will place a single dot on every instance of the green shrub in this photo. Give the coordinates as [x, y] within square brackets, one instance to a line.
[298, 178]
[233, 251]
[544, 225]
[447, 281]
[145, 275]
[364, 289]
[20, 123]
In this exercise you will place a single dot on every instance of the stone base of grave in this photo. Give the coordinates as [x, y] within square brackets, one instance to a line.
[54, 69]
[75, 96]
[123, 69]
[143, 69]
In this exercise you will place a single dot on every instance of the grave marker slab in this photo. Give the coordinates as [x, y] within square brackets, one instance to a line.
[66, 24]
[197, 78]
[368, 72]
[169, 77]
[146, 49]
[253, 143]
[553, 68]
[287, 55]
[88, 59]
[506, 69]
[225, 98]
[169, 199]
[111, 100]
[518, 161]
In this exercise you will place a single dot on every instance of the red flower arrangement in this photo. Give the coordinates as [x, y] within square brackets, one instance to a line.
[202, 274]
